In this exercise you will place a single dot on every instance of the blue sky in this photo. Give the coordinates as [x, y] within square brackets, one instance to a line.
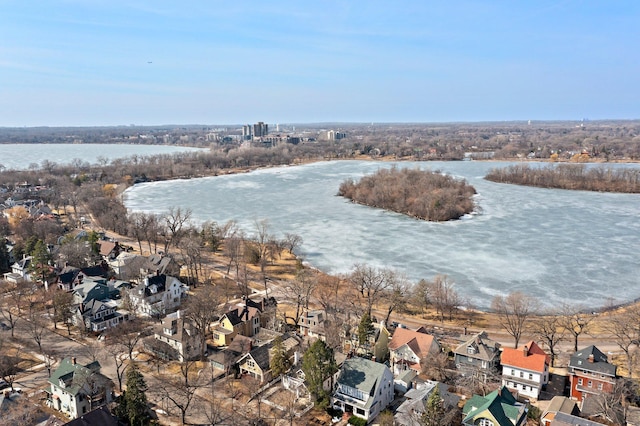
[110, 62]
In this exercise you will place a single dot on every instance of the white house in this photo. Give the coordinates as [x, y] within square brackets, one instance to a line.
[364, 388]
[157, 295]
[75, 389]
[179, 333]
[525, 370]
[99, 315]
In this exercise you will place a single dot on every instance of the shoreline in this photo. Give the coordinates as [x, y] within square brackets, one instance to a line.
[588, 308]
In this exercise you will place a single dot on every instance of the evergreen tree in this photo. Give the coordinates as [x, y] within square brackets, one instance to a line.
[318, 364]
[434, 409]
[4, 256]
[279, 362]
[365, 329]
[132, 407]
[40, 260]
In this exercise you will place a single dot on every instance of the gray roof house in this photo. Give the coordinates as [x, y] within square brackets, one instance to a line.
[412, 409]
[478, 352]
[364, 388]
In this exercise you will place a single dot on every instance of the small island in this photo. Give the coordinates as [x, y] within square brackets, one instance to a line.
[422, 194]
[570, 176]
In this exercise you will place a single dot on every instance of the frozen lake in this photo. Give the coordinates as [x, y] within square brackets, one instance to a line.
[561, 246]
[21, 156]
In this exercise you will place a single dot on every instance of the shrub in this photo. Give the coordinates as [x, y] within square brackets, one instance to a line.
[357, 421]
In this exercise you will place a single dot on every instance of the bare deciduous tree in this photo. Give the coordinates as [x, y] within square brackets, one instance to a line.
[180, 390]
[175, 221]
[576, 321]
[513, 312]
[624, 327]
[369, 285]
[201, 310]
[548, 327]
[444, 296]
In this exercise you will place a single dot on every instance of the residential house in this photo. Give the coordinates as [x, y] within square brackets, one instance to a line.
[408, 349]
[590, 373]
[98, 417]
[76, 389]
[99, 315]
[412, 408]
[311, 324]
[22, 268]
[256, 363]
[498, 408]
[525, 369]
[478, 354]
[564, 419]
[404, 381]
[89, 290]
[364, 388]
[157, 295]
[558, 404]
[69, 277]
[109, 250]
[128, 266]
[179, 333]
[227, 359]
[157, 264]
[243, 319]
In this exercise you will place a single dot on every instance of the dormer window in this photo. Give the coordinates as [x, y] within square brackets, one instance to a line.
[62, 383]
[471, 350]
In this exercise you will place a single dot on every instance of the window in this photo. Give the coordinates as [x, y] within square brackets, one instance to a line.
[513, 372]
[485, 422]
[530, 376]
[521, 374]
[599, 386]
[580, 381]
[589, 383]
[471, 350]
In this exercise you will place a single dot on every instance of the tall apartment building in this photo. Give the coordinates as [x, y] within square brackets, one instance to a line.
[257, 130]
[260, 129]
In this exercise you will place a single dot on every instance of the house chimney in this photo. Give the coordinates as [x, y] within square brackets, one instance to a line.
[73, 360]
[525, 351]
[591, 358]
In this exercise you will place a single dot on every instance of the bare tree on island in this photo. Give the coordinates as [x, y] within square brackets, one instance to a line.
[513, 312]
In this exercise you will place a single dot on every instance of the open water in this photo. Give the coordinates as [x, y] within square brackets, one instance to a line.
[558, 245]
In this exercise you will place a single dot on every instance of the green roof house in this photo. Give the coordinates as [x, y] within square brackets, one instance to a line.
[499, 408]
[77, 389]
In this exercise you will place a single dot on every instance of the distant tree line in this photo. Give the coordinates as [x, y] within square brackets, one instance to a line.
[611, 140]
[419, 193]
[570, 176]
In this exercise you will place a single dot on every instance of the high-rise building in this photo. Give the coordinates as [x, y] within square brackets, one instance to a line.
[260, 129]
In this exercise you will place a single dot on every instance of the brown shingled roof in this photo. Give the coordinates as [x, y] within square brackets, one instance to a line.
[420, 343]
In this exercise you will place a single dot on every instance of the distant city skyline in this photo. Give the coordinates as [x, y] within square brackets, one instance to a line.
[98, 63]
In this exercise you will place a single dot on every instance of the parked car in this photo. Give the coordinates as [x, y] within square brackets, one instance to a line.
[3, 384]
